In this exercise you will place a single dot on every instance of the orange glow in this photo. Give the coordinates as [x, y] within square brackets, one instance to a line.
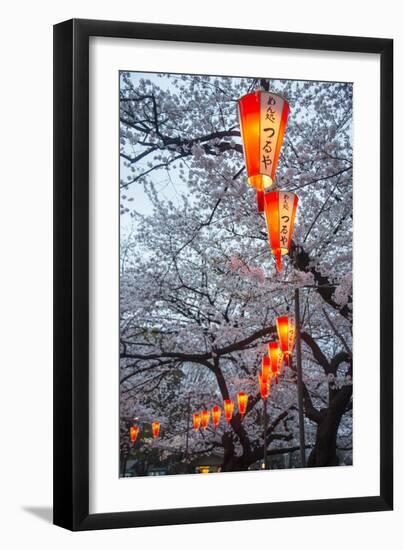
[205, 417]
[263, 386]
[275, 358]
[249, 114]
[228, 409]
[260, 201]
[266, 368]
[156, 429]
[196, 421]
[242, 402]
[286, 335]
[216, 414]
[283, 124]
[280, 208]
[263, 117]
[134, 432]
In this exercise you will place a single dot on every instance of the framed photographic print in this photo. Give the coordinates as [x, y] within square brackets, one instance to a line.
[223, 205]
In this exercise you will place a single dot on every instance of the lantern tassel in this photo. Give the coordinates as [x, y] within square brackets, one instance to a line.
[279, 265]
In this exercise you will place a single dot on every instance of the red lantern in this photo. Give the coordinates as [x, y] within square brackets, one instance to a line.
[196, 421]
[134, 432]
[263, 117]
[266, 368]
[156, 429]
[286, 335]
[280, 208]
[228, 409]
[216, 414]
[263, 386]
[275, 358]
[205, 417]
[242, 402]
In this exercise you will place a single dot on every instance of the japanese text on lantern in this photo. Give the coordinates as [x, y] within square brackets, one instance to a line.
[270, 116]
[285, 218]
[291, 334]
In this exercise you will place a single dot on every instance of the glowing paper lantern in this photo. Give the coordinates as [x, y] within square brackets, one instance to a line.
[205, 417]
[280, 208]
[134, 432]
[216, 414]
[242, 402]
[275, 358]
[263, 118]
[286, 335]
[263, 386]
[228, 409]
[196, 421]
[266, 368]
[156, 429]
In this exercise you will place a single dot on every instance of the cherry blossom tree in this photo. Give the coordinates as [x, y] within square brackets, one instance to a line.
[199, 291]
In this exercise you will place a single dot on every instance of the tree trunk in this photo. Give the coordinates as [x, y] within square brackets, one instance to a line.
[124, 464]
[232, 462]
[324, 452]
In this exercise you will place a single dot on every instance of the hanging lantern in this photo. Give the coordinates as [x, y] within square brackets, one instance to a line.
[196, 421]
[205, 417]
[134, 432]
[242, 402]
[286, 335]
[263, 386]
[263, 118]
[228, 409]
[275, 358]
[216, 414]
[280, 208]
[266, 368]
[156, 429]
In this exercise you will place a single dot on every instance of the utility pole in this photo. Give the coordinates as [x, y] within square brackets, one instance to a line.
[187, 432]
[299, 380]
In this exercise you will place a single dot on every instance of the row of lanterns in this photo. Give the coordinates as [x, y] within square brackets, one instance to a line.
[278, 353]
[263, 119]
[202, 419]
[135, 430]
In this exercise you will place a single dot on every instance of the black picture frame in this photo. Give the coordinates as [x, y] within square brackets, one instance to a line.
[71, 274]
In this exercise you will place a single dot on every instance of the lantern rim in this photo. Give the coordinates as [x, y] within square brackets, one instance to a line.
[257, 181]
[266, 92]
[283, 251]
[282, 319]
[281, 191]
